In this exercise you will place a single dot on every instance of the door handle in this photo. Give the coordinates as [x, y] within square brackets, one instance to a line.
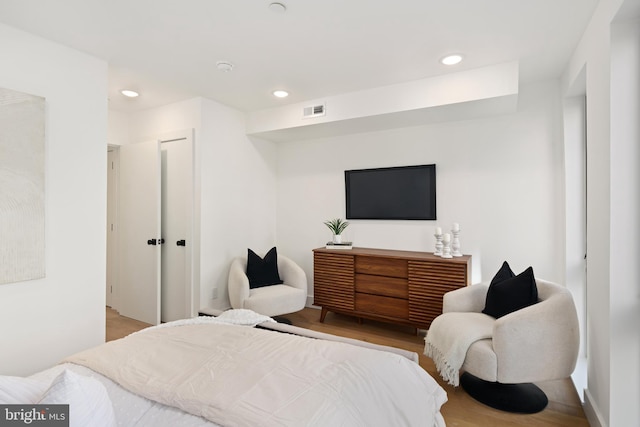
[181, 243]
[152, 242]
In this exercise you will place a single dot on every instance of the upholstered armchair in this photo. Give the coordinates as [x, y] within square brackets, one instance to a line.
[536, 343]
[273, 300]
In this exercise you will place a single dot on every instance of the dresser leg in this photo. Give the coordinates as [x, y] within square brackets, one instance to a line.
[323, 313]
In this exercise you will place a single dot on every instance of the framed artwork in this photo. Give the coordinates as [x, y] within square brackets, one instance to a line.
[22, 186]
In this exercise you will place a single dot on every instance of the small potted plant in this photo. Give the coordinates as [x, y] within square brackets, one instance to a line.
[337, 226]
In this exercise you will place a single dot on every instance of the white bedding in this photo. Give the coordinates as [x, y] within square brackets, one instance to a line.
[240, 376]
[131, 410]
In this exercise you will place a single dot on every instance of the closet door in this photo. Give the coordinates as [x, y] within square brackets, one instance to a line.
[140, 237]
[177, 213]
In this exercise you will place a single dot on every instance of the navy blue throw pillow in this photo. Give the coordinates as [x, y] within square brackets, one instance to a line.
[511, 294]
[263, 271]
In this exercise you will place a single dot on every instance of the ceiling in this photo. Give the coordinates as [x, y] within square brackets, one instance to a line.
[168, 49]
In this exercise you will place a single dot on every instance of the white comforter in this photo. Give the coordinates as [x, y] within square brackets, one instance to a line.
[240, 376]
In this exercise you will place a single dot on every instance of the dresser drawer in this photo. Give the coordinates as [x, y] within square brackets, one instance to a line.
[333, 281]
[383, 306]
[391, 267]
[380, 285]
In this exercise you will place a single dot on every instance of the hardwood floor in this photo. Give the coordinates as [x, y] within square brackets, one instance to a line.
[120, 326]
[461, 410]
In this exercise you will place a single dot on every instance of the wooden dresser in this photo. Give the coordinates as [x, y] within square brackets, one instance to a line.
[395, 286]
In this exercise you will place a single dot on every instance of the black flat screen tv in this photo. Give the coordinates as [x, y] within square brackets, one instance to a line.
[395, 193]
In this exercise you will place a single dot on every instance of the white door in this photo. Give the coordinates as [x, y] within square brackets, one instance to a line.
[177, 211]
[112, 221]
[139, 234]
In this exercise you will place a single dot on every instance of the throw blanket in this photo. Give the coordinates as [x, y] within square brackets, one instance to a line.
[241, 376]
[450, 336]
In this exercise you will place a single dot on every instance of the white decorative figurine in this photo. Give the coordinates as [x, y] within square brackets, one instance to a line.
[446, 250]
[455, 243]
[438, 236]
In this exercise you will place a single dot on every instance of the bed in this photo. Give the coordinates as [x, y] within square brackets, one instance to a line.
[241, 369]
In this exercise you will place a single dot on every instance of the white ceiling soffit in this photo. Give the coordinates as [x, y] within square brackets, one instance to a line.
[464, 95]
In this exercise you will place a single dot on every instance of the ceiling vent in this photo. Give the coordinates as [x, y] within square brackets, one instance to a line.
[313, 111]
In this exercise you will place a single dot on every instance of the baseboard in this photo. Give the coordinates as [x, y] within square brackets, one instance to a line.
[579, 377]
[310, 302]
[591, 411]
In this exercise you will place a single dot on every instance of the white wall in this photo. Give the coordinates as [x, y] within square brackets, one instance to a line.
[235, 185]
[43, 321]
[500, 178]
[118, 128]
[143, 125]
[238, 197]
[613, 344]
[625, 222]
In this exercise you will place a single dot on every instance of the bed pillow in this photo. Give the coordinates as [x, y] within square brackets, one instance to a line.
[20, 391]
[511, 294]
[263, 271]
[89, 403]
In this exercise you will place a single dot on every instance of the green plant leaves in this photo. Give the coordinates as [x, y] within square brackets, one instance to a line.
[336, 225]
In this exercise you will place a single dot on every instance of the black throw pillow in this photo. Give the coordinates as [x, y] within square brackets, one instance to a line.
[263, 271]
[504, 273]
[511, 294]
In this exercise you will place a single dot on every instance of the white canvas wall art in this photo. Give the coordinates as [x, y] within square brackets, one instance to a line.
[22, 186]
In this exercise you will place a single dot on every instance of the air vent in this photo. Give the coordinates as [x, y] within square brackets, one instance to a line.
[313, 111]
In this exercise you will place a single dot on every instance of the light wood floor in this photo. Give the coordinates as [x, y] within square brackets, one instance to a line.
[120, 326]
[564, 407]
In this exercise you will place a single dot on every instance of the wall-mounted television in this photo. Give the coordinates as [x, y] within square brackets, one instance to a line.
[400, 193]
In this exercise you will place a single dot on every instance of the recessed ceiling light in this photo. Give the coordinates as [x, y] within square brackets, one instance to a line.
[129, 93]
[224, 66]
[280, 93]
[451, 59]
[277, 7]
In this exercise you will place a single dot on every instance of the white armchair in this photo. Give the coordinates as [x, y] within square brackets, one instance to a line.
[536, 343]
[274, 300]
